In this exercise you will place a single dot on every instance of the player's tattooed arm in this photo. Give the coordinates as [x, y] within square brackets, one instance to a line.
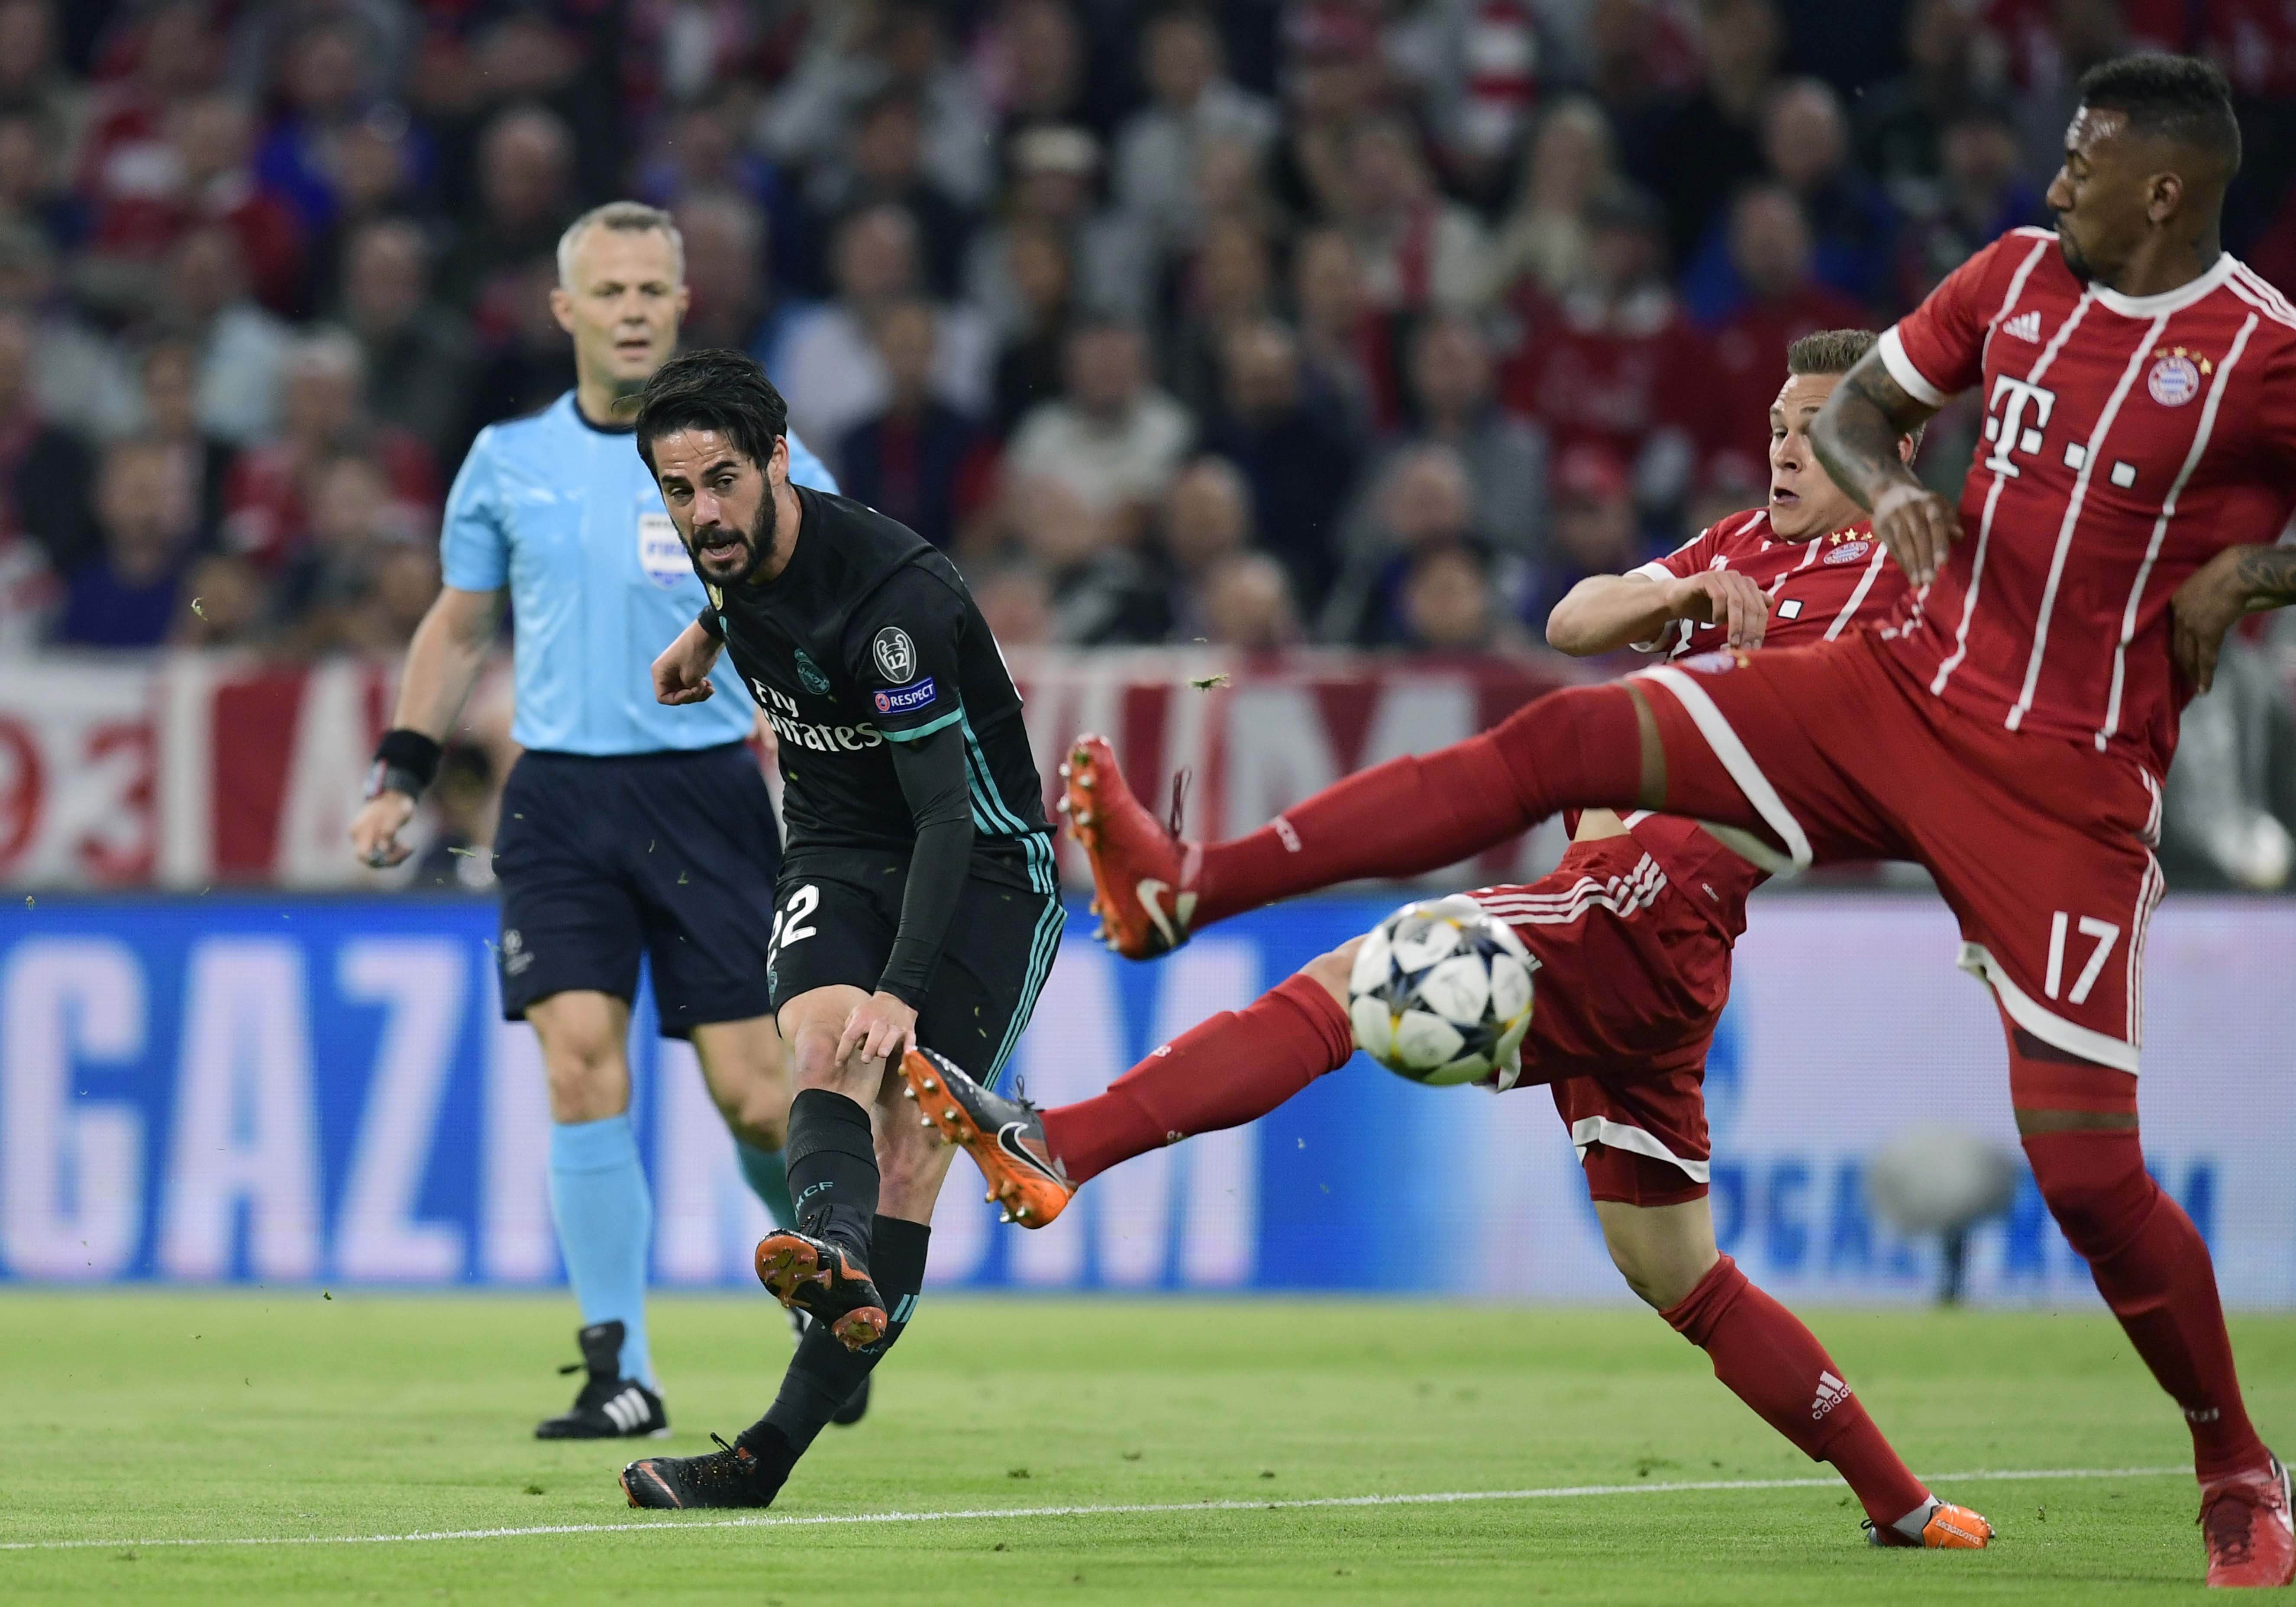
[2236, 582]
[1859, 435]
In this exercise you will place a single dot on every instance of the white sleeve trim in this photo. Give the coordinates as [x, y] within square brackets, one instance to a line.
[2053, 1030]
[1910, 379]
[1655, 569]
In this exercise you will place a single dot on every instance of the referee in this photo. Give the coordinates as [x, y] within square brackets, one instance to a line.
[628, 829]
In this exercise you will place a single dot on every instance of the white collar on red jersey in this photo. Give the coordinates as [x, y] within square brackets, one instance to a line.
[2168, 301]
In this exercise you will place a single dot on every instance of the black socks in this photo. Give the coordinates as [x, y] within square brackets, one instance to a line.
[833, 1170]
[824, 1374]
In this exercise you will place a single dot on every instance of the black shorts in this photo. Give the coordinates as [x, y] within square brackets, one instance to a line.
[671, 855]
[835, 914]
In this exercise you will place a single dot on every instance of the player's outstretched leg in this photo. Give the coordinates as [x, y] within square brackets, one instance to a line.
[2078, 1120]
[1224, 1072]
[1761, 1351]
[1581, 747]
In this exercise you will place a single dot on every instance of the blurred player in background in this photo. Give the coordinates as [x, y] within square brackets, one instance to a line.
[1633, 932]
[918, 903]
[2009, 732]
[628, 830]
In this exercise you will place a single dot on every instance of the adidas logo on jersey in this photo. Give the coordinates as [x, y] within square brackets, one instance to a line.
[1832, 1392]
[628, 1409]
[2025, 327]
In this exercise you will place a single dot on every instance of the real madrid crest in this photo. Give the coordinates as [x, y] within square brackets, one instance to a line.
[2175, 378]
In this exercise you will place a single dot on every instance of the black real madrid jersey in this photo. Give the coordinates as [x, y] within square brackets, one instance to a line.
[884, 685]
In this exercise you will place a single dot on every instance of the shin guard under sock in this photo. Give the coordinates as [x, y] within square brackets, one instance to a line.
[2151, 1266]
[1577, 748]
[833, 1170]
[1774, 1363]
[824, 1374]
[1231, 1070]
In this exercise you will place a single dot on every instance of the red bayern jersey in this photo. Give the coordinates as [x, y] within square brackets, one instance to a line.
[1818, 588]
[2128, 440]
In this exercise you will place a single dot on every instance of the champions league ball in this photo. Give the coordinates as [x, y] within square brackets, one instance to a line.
[1441, 993]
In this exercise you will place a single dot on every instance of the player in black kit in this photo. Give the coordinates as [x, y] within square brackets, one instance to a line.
[917, 903]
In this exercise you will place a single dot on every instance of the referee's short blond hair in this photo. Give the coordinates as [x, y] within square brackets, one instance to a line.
[627, 216]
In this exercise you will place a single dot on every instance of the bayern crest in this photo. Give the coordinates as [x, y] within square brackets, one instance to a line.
[2174, 380]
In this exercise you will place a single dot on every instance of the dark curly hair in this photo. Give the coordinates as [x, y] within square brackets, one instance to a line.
[727, 391]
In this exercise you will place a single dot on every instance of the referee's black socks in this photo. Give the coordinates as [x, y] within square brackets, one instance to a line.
[832, 1171]
[824, 1374]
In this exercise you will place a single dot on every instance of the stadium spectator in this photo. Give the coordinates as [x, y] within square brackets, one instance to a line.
[1980, 196]
[1595, 530]
[1546, 241]
[80, 378]
[1037, 54]
[1015, 603]
[323, 86]
[229, 605]
[912, 460]
[1334, 82]
[1450, 604]
[374, 162]
[1639, 52]
[828, 362]
[169, 370]
[884, 165]
[1770, 247]
[32, 82]
[701, 155]
[1193, 100]
[126, 594]
[1901, 122]
[524, 366]
[1103, 593]
[1478, 71]
[31, 181]
[1615, 364]
[1853, 228]
[243, 348]
[727, 277]
[1505, 459]
[415, 351]
[1248, 604]
[1207, 520]
[1111, 265]
[1424, 500]
[2081, 34]
[1418, 250]
[1225, 285]
[1299, 461]
[1346, 364]
[1112, 438]
[1692, 150]
[327, 587]
[1037, 267]
[526, 169]
[266, 513]
[43, 471]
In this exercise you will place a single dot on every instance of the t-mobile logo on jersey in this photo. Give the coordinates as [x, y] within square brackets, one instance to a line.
[2006, 424]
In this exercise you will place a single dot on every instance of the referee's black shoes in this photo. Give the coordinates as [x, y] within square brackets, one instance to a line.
[609, 1405]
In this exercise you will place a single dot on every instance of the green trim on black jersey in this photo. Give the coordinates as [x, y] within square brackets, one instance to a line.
[927, 729]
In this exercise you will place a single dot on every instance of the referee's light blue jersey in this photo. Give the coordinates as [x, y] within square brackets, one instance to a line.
[567, 516]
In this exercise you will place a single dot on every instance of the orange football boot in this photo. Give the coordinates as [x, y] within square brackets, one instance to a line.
[2244, 1521]
[1005, 1137]
[1141, 873]
[812, 1275]
[1949, 1528]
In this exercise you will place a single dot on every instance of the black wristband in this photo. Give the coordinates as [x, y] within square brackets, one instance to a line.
[712, 626]
[405, 761]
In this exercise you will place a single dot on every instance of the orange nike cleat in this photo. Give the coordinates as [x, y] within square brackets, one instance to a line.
[1141, 873]
[2244, 1523]
[1005, 1137]
[813, 1276]
[1949, 1528]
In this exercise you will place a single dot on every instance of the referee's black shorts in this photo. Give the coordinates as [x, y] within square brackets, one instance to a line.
[671, 855]
[839, 910]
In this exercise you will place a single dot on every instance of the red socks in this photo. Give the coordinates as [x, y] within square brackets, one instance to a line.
[2153, 1268]
[1775, 1366]
[1581, 747]
[1233, 1069]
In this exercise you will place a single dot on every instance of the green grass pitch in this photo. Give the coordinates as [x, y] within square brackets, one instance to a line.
[130, 1421]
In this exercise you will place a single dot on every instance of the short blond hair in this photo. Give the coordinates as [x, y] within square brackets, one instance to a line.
[626, 217]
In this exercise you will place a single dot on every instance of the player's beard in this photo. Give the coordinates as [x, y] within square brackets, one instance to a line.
[2077, 264]
[758, 542]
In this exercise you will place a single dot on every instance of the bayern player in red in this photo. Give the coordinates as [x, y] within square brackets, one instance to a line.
[1633, 934]
[2009, 732]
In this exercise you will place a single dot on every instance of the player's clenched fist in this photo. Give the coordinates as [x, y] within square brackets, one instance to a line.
[1725, 598]
[682, 674]
[1917, 526]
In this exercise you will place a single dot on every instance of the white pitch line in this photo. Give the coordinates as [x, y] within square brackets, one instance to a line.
[1439, 1498]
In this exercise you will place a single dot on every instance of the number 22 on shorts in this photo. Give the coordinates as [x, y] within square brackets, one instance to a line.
[2106, 935]
[789, 925]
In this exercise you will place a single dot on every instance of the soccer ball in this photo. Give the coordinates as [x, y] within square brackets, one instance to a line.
[1441, 992]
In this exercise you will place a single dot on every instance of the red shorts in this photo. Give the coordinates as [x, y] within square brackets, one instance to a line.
[2042, 847]
[1632, 978]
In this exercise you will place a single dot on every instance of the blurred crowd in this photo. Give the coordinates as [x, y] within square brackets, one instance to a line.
[1368, 322]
